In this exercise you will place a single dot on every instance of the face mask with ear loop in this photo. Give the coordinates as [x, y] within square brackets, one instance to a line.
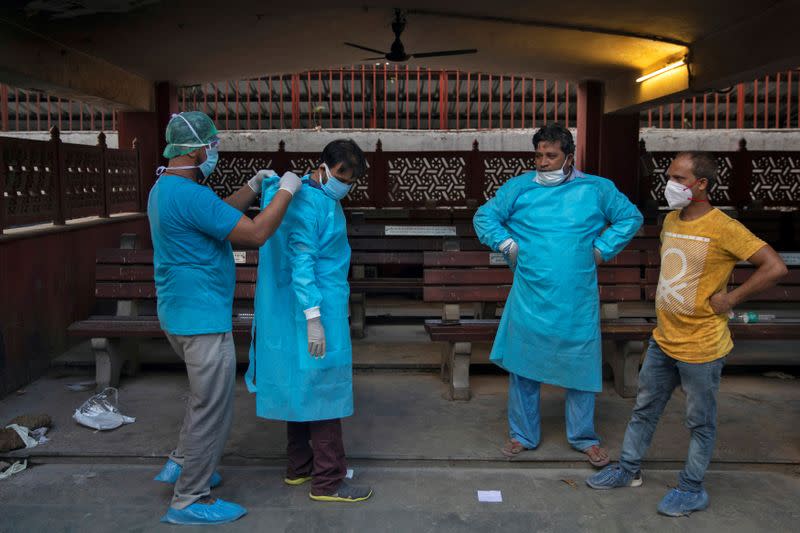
[212, 153]
[679, 196]
[333, 188]
[551, 178]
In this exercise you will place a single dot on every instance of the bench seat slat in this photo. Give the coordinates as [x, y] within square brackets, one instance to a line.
[147, 290]
[386, 258]
[410, 244]
[145, 273]
[630, 258]
[779, 293]
[499, 293]
[117, 256]
[503, 275]
[413, 285]
[141, 327]
[739, 276]
[485, 330]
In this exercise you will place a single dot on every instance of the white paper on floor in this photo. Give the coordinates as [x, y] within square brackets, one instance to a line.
[349, 473]
[490, 496]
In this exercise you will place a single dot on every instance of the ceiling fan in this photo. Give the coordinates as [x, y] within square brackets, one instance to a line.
[398, 52]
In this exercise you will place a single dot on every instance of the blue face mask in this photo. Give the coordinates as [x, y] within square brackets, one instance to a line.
[207, 166]
[334, 188]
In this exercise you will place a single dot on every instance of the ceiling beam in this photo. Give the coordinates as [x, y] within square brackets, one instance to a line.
[547, 24]
[33, 61]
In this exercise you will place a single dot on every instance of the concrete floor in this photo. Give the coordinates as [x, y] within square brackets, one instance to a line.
[403, 416]
[424, 455]
[103, 497]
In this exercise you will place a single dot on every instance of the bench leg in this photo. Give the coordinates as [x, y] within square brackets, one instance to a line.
[358, 314]
[489, 310]
[129, 349]
[624, 358]
[109, 359]
[458, 361]
[445, 369]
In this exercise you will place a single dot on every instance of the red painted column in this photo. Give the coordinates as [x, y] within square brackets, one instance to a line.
[590, 118]
[3, 107]
[166, 105]
[619, 152]
[149, 129]
[296, 101]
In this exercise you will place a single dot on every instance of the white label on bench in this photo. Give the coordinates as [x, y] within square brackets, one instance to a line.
[420, 231]
[239, 257]
[791, 258]
[497, 259]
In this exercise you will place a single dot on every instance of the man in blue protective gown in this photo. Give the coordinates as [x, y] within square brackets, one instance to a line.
[554, 225]
[300, 357]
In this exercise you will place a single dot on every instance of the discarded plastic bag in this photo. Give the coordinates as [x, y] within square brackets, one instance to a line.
[101, 412]
[25, 435]
[15, 468]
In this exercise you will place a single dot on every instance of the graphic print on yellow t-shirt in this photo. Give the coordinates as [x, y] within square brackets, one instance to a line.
[683, 259]
[697, 258]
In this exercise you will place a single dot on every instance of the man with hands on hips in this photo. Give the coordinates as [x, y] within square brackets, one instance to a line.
[700, 246]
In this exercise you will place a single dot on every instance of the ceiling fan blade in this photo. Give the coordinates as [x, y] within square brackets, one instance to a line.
[446, 53]
[381, 58]
[365, 48]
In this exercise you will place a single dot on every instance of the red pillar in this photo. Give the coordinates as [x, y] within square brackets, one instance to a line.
[3, 107]
[166, 105]
[149, 128]
[619, 153]
[443, 104]
[590, 117]
[296, 101]
[142, 126]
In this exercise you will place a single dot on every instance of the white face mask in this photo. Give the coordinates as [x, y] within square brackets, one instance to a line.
[677, 195]
[551, 178]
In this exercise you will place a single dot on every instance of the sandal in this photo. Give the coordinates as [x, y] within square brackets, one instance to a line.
[598, 457]
[512, 448]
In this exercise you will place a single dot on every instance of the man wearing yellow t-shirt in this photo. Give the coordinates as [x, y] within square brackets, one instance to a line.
[700, 245]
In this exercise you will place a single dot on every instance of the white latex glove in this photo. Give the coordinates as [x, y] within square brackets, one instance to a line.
[290, 183]
[510, 250]
[316, 337]
[256, 181]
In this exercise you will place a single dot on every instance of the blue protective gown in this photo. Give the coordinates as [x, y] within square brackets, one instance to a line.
[550, 329]
[303, 265]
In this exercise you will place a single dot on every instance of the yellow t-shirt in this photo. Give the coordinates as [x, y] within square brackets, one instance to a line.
[697, 258]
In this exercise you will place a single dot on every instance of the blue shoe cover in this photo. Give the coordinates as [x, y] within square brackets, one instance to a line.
[172, 471]
[682, 503]
[198, 514]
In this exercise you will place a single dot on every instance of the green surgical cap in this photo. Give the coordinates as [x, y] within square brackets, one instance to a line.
[180, 137]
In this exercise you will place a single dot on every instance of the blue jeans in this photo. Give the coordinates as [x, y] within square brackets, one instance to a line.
[525, 421]
[659, 376]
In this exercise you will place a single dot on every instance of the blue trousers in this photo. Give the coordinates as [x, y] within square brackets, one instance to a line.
[659, 376]
[524, 418]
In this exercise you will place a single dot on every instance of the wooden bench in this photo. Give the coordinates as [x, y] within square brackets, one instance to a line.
[388, 259]
[436, 216]
[627, 292]
[456, 278]
[124, 278]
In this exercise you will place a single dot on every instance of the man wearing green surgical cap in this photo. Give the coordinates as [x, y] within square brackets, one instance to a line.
[192, 230]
